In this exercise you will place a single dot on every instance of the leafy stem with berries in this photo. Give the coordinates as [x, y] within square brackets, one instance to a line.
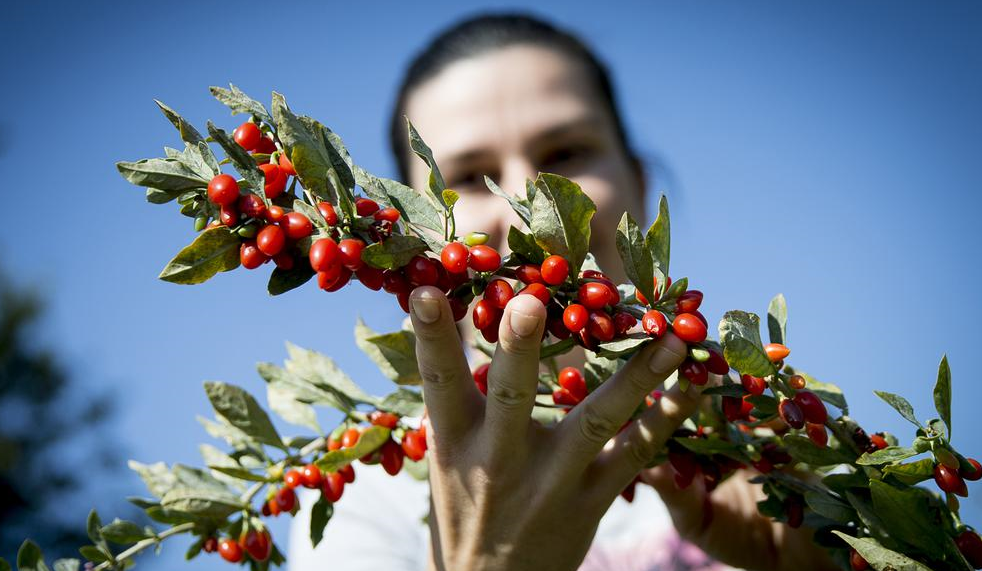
[296, 203]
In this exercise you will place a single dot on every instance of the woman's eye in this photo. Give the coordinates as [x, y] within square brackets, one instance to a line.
[467, 181]
[565, 157]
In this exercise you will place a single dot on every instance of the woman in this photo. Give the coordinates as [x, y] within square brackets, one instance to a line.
[508, 97]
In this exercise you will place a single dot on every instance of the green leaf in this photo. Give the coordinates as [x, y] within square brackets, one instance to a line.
[739, 333]
[202, 502]
[169, 175]
[282, 281]
[777, 319]
[370, 440]
[188, 133]
[323, 373]
[525, 246]
[842, 482]
[658, 242]
[901, 405]
[123, 532]
[93, 527]
[239, 102]
[394, 252]
[549, 350]
[709, 446]
[521, 207]
[340, 174]
[636, 258]
[880, 557]
[804, 450]
[157, 477]
[623, 346]
[304, 390]
[93, 553]
[416, 208]
[320, 514]
[829, 506]
[765, 406]
[239, 473]
[29, 557]
[886, 456]
[243, 162]
[911, 515]
[4, 566]
[213, 250]
[912, 473]
[726, 389]
[215, 458]
[561, 214]
[241, 410]
[942, 393]
[450, 197]
[436, 183]
[283, 401]
[403, 402]
[312, 156]
[828, 392]
[222, 429]
[395, 354]
[61, 565]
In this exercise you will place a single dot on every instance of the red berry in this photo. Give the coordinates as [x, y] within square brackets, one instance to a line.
[247, 135]
[563, 397]
[856, 561]
[210, 545]
[251, 205]
[230, 550]
[572, 380]
[229, 215]
[458, 308]
[327, 211]
[257, 543]
[327, 278]
[490, 333]
[484, 259]
[753, 385]
[286, 165]
[878, 441]
[554, 270]
[817, 434]
[796, 382]
[481, 377]
[284, 260]
[949, 481]
[971, 475]
[498, 293]
[811, 406]
[685, 467]
[392, 456]
[323, 254]
[366, 206]
[349, 252]
[312, 476]
[275, 180]
[733, 408]
[347, 473]
[593, 295]
[333, 444]
[414, 445]
[251, 256]
[275, 213]
[791, 414]
[623, 322]
[600, 326]
[297, 226]
[387, 214]
[776, 352]
[223, 190]
[689, 328]
[403, 299]
[538, 291]
[386, 419]
[717, 364]
[794, 510]
[271, 240]
[394, 282]
[654, 323]
[350, 437]
[265, 146]
[286, 499]
[333, 487]
[293, 478]
[370, 277]
[529, 274]
[454, 257]
[485, 314]
[695, 371]
[689, 301]
[421, 271]
[575, 317]
[970, 545]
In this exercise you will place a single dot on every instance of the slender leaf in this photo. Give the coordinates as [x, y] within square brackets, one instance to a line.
[241, 410]
[623, 346]
[170, 175]
[403, 402]
[561, 215]
[123, 532]
[414, 207]
[901, 405]
[831, 507]
[282, 281]
[911, 515]
[394, 252]
[804, 450]
[635, 256]
[320, 514]
[202, 502]
[658, 241]
[522, 207]
[436, 183]
[777, 319]
[525, 246]
[29, 557]
[880, 557]
[63, 565]
[739, 333]
[283, 401]
[887, 455]
[188, 133]
[397, 352]
[942, 393]
[369, 441]
[912, 473]
[239, 102]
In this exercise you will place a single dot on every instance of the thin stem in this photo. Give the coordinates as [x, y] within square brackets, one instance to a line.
[251, 492]
[145, 543]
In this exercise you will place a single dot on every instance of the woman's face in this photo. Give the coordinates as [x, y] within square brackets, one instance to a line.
[510, 114]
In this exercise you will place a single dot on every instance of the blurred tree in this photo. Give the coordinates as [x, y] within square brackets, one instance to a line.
[42, 418]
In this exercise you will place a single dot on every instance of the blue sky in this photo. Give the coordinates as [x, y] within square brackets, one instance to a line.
[827, 150]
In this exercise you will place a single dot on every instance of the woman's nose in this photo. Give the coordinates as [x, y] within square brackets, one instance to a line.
[514, 174]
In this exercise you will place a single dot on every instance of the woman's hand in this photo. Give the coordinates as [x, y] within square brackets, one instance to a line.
[728, 527]
[507, 492]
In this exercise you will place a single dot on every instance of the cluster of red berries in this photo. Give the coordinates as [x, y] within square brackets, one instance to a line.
[256, 543]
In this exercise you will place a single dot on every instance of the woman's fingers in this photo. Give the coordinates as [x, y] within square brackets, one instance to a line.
[597, 419]
[452, 399]
[514, 373]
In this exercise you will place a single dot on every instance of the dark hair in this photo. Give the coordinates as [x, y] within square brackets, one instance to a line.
[484, 33]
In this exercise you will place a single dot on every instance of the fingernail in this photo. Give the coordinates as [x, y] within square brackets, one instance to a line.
[523, 324]
[664, 360]
[426, 309]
